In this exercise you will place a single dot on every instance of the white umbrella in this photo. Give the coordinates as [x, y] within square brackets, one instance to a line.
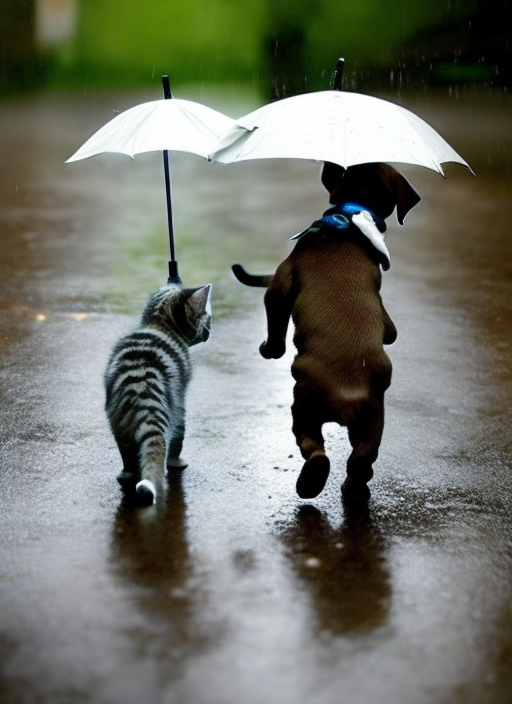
[333, 125]
[160, 125]
[174, 125]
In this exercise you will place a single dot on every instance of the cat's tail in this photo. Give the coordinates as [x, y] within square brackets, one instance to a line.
[261, 280]
[152, 454]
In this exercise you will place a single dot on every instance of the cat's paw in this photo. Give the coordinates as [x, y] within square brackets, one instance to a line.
[272, 352]
[176, 463]
[127, 480]
[146, 492]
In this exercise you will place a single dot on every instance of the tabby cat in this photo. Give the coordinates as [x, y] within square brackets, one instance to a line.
[146, 381]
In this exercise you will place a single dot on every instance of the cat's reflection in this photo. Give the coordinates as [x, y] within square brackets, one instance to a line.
[151, 556]
[344, 569]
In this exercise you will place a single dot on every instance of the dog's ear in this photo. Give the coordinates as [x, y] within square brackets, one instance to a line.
[332, 176]
[406, 197]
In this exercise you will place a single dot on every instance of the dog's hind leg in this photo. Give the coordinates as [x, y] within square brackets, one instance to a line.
[365, 435]
[307, 428]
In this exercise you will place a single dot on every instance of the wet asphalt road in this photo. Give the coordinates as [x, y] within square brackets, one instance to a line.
[231, 589]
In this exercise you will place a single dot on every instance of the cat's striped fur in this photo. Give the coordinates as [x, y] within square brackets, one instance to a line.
[146, 381]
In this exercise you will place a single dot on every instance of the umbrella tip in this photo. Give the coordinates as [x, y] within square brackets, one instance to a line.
[338, 74]
[166, 86]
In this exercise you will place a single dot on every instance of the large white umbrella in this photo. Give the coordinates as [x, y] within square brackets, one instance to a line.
[160, 125]
[337, 126]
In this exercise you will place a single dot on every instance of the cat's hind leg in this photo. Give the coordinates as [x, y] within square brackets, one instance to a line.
[307, 428]
[130, 475]
[174, 460]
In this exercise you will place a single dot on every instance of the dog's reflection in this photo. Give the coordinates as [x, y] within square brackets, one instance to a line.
[344, 569]
[150, 554]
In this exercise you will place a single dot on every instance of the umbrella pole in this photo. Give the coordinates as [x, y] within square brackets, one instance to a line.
[173, 264]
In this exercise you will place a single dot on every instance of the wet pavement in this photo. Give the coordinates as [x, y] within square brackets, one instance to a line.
[231, 589]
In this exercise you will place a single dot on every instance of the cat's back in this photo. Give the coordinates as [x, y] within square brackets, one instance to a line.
[145, 357]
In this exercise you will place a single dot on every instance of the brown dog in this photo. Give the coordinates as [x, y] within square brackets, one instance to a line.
[330, 286]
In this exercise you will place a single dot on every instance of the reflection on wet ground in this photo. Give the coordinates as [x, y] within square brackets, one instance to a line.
[231, 589]
[344, 567]
[150, 553]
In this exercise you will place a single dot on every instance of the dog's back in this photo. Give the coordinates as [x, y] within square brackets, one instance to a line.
[340, 322]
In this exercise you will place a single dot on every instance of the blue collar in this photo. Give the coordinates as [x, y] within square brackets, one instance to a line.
[343, 209]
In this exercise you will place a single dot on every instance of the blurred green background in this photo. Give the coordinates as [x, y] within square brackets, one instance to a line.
[279, 46]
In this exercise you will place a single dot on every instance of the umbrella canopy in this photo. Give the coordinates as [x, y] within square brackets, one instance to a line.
[174, 125]
[344, 128]
[160, 125]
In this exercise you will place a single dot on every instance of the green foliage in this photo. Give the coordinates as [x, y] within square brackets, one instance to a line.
[126, 41]
[367, 33]
[282, 46]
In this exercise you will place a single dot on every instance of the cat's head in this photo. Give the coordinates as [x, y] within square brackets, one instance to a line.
[182, 311]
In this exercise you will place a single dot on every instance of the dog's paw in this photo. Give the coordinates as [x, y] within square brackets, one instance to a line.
[264, 351]
[313, 477]
[355, 493]
[272, 352]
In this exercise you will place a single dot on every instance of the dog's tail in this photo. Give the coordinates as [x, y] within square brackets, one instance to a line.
[244, 277]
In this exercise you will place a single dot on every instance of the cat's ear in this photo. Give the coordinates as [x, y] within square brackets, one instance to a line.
[199, 300]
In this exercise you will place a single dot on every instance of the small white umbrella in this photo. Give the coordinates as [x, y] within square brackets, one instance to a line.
[173, 125]
[160, 125]
[337, 126]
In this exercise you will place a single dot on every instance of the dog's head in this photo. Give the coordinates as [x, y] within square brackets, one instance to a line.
[377, 186]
